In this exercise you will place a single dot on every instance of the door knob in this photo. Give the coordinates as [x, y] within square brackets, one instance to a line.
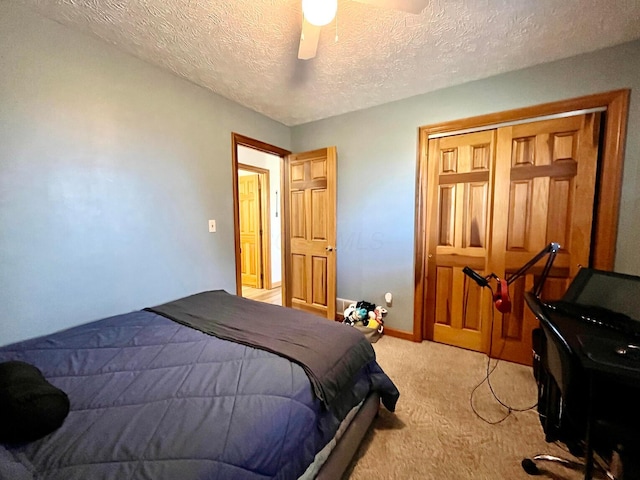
[330, 249]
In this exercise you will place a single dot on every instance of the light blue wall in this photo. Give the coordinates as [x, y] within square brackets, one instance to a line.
[377, 151]
[109, 171]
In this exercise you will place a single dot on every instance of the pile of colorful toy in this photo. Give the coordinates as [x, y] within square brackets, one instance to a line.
[365, 314]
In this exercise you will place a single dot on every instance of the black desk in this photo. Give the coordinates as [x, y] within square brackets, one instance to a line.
[610, 376]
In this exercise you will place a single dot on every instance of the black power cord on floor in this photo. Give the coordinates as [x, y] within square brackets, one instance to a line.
[489, 371]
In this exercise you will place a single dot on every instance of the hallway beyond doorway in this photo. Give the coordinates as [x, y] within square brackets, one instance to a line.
[273, 296]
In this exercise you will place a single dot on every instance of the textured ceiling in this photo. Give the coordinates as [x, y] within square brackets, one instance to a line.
[246, 50]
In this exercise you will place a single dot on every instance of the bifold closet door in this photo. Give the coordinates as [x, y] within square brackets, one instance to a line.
[459, 179]
[544, 192]
[495, 199]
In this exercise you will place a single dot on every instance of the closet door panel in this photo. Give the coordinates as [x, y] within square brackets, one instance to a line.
[459, 208]
[545, 173]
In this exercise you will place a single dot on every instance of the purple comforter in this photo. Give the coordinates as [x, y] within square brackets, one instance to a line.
[153, 399]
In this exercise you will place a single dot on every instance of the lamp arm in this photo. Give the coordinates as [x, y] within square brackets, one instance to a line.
[551, 250]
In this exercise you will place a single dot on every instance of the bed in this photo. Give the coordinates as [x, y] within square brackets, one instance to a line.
[187, 390]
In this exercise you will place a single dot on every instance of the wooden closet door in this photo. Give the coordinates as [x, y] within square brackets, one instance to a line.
[544, 192]
[460, 178]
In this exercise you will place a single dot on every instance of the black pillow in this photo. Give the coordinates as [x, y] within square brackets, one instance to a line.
[30, 407]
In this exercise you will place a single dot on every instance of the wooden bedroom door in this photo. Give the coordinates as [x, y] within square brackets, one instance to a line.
[545, 183]
[310, 180]
[250, 230]
[460, 179]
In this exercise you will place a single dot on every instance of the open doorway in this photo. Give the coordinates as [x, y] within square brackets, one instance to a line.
[258, 223]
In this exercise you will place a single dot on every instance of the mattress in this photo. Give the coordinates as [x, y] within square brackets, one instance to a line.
[151, 398]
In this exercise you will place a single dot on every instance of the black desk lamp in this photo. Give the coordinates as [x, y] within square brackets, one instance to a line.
[501, 298]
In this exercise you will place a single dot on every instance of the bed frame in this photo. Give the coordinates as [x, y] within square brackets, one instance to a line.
[344, 451]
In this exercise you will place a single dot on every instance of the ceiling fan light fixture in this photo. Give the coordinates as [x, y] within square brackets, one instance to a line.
[319, 12]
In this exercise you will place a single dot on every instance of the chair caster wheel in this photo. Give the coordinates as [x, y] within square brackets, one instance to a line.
[530, 466]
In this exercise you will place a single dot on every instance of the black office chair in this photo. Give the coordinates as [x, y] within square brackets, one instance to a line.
[561, 387]
[562, 390]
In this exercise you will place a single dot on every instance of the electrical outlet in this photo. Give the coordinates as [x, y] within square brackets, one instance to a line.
[212, 226]
[388, 298]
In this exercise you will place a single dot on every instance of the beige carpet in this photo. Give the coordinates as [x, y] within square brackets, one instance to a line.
[434, 433]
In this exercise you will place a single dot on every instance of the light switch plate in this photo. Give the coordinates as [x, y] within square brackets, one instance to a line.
[212, 226]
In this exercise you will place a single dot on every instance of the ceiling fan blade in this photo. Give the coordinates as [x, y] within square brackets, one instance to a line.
[308, 41]
[410, 6]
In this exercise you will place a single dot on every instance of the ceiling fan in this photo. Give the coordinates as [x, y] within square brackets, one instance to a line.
[317, 13]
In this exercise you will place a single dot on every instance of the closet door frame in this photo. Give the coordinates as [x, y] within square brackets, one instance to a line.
[605, 229]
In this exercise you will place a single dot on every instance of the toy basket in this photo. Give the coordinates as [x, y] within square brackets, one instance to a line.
[367, 318]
